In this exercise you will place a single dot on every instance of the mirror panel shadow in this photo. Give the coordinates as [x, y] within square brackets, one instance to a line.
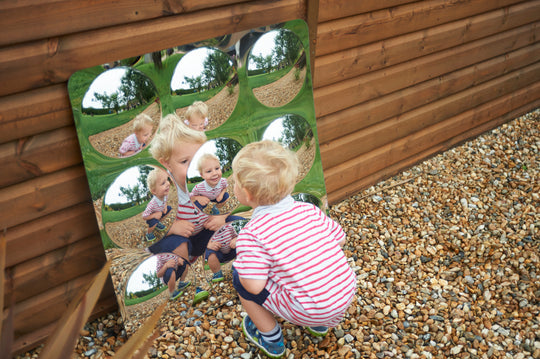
[132, 117]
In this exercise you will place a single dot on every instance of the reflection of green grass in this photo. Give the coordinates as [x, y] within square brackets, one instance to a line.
[115, 216]
[134, 301]
[106, 240]
[265, 79]
[186, 100]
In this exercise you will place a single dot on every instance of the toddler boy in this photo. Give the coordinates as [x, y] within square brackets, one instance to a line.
[157, 208]
[142, 130]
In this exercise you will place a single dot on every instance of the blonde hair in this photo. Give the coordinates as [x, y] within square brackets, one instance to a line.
[205, 157]
[171, 132]
[141, 121]
[266, 170]
[153, 177]
[197, 108]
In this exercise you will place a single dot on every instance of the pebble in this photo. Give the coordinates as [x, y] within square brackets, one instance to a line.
[447, 262]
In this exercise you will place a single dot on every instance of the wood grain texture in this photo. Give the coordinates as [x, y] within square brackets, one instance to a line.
[20, 19]
[353, 91]
[342, 65]
[51, 61]
[362, 29]
[336, 9]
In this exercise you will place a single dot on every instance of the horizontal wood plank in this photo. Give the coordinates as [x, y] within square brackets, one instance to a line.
[50, 232]
[335, 9]
[21, 19]
[35, 156]
[50, 109]
[365, 182]
[385, 156]
[43, 195]
[54, 268]
[404, 124]
[369, 113]
[350, 63]
[362, 29]
[54, 60]
[350, 92]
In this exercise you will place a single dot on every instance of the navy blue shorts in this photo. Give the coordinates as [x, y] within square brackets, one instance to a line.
[225, 197]
[257, 298]
[152, 222]
[179, 271]
[222, 257]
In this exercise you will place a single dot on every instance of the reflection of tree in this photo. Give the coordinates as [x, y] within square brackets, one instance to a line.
[216, 70]
[226, 150]
[295, 130]
[135, 90]
[152, 280]
[287, 48]
[140, 192]
[263, 62]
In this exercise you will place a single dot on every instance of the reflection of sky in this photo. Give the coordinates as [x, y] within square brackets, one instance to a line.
[128, 178]
[136, 281]
[106, 83]
[208, 147]
[263, 47]
[191, 65]
[274, 130]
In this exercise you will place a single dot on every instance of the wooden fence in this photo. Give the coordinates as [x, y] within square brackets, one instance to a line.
[395, 82]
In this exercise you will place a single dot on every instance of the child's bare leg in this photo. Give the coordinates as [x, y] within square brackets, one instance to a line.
[150, 229]
[172, 282]
[182, 251]
[213, 263]
[261, 317]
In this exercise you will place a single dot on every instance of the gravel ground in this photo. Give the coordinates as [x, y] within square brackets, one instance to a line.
[447, 260]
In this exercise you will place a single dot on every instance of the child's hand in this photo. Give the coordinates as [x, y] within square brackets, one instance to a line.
[203, 201]
[215, 222]
[182, 228]
[215, 246]
[171, 263]
[233, 243]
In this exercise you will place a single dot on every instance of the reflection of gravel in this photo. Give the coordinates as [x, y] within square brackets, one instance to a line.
[305, 156]
[220, 107]
[108, 142]
[282, 91]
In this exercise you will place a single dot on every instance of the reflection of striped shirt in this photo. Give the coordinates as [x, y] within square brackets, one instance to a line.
[296, 247]
[225, 235]
[163, 258]
[204, 189]
[130, 144]
[155, 205]
[187, 211]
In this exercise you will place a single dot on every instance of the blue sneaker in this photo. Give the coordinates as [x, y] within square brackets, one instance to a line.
[160, 226]
[176, 294]
[218, 277]
[271, 350]
[200, 295]
[317, 331]
[183, 285]
[150, 237]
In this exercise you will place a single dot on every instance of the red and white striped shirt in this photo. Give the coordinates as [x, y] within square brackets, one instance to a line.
[162, 258]
[296, 248]
[225, 235]
[155, 205]
[204, 189]
[130, 144]
[187, 211]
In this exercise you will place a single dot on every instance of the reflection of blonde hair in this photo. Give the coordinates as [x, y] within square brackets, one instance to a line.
[141, 121]
[197, 108]
[173, 131]
[266, 170]
[205, 157]
[152, 178]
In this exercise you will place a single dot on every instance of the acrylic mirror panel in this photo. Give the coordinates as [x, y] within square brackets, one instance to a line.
[256, 84]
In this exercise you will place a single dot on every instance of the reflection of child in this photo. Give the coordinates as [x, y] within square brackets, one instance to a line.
[174, 147]
[157, 208]
[289, 258]
[197, 116]
[214, 186]
[221, 249]
[142, 130]
[169, 271]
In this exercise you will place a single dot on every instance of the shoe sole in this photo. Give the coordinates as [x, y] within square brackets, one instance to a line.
[256, 343]
[199, 297]
[316, 334]
[217, 280]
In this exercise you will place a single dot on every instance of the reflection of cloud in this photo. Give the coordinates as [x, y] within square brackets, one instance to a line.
[106, 83]
[128, 178]
[208, 147]
[264, 46]
[274, 131]
[191, 65]
[136, 281]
